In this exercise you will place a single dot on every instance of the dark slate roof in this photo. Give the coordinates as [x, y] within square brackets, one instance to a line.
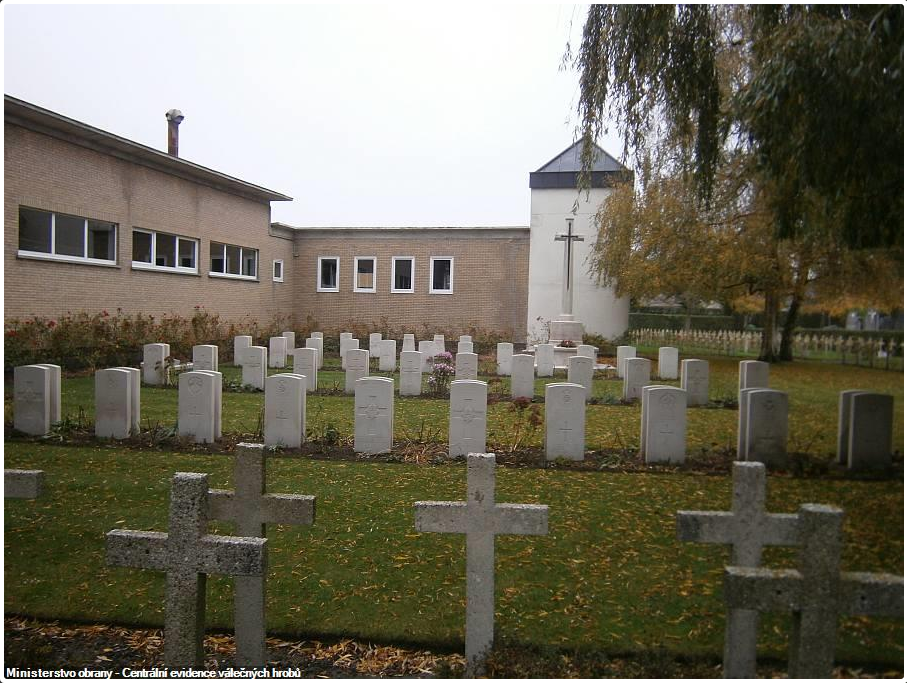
[563, 170]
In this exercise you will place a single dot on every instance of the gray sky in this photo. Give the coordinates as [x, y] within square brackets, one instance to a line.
[365, 115]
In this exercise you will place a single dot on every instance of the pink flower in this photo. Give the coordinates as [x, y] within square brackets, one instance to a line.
[104, 313]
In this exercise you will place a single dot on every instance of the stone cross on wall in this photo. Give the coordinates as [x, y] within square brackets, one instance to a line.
[817, 593]
[480, 519]
[23, 483]
[568, 239]
[747, 528]
[188, 554]
[251, 508]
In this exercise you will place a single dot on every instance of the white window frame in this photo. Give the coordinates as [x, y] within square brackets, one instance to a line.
[142, 265]
[234, 276]
[66, 258]
[274, 275]
[394, 260]
[374, 287]
[431, 275]
[318, 287]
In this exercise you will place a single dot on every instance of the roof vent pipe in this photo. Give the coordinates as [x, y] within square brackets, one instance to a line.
[174, 118]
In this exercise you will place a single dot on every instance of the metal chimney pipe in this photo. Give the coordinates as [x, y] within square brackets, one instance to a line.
[174, 119]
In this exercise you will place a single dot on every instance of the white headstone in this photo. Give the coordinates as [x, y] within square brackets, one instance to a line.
[623, 353]
[356, 368]
[752, 374]
[505, 358]
[285, 409]
[374, 419]
[218, 401]
[55, 395]
[637, 374]
[439, 340]
[346, 335]
[464, 347]
[844, 401]
[579, 371]
[317, 335]
[663, 433]
[467, 367]
[427, 349]
[565, 421]
[466, 338]
[31, 399]
[694, 379]
[204, 357]
[373, 340]
[409, 342]
[113, 403]
[544, 360]
[277, 352]
[317, 343]
[154, 368]
[135, 403]
[346, 345]
[291, 341]
[468, 416]
[869, 440]
[765, 438]
[387, 355]
[522, 378]
[305, 363]
[587, 350]
[255, 366]
[197, 406]
[667, 362]
[410, 373]
[240, 344]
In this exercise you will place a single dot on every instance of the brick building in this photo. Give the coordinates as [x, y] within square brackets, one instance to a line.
[94, 221]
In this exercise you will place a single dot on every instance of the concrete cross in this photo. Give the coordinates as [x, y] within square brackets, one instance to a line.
[480, 519]
[251, 508]
[568, 239]
[817, 593]
[23, 483]
[747, 528]
[188, 554]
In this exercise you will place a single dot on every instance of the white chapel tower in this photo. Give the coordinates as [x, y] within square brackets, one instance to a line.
[563, 219]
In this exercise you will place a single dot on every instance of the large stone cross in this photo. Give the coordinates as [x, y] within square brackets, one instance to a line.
[817, 593]
[568, 238]
[747, 528]
[251, 508]
[188, 554]
[480, 519]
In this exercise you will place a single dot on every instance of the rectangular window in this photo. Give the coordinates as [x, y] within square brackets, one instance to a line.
[229, 260]
[152, 250]
[365, 274]
[278, 270]
[402, 277]
[59, 236]
[441, 276]
[328, 274]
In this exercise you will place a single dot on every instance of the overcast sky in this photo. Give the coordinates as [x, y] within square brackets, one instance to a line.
[374, 115]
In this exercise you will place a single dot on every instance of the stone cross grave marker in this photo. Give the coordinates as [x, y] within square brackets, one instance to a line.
[25, 484]
[667, 362]
[291, 341]
[522, 378]
[694, 379]
[31, 399]
[467, 366]
[505, 358]
[752, 374]
[197, 406]
[240, 344]
[468, 416]
[347, 345]
[565, 421]
[255, 367]
[317, 343]
[285, 410]
[387, 355]
[356, 368]
[305, 363]
[410, 373]
[747, 528]
[579, 371]
[188, 554]
[374, 420]
[373, 340]
[637, 374]
[154, 370]
[251, 509]
[204, 357]
[663, 432]
[55, 395]
[409, 342]
[277, 352]
[870, 421]
[623, 353]
[817, 593]
[544, 360]
[113, 403]
[480, 519]
[763, 426]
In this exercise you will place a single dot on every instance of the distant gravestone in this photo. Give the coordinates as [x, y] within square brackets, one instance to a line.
[694, 379]
[505, 358]
[637, 374]
[374, 339]
[667, 362]
[468, 413]
[480, 519]
[204, 357]
[135, 382]
[374, 419]
[285, 410]
[410, 373]
[623, 353]
[291, 341]
[347, 345]
[587, 350]
[816, 594]
[317, 335]
[240, 344]
[24, 484]
[255, 367]
[440, 344]
[55, 391]
[752, 374]
[356, 368]
[465, 338]
[844, 401]
[188, 555]
[467, 367]
[663, 433]
[277, 352]
[763, 426]
[387, 355]
[305, 363]
[197, 406]
[113, 404]
[869, 440]
[409, 342]
[544, 360]
[464, 347]
[154, 368]
[565, 421]
[317, 343]
[580, 370]
[250, 508]
[427, 349]
[31, 399]
[522, 378]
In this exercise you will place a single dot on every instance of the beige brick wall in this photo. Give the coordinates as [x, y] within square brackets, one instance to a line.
[490, 280]
[47, 173]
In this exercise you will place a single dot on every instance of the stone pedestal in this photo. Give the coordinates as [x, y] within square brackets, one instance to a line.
[566, 327]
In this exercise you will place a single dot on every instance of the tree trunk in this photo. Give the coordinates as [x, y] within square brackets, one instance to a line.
[787, 329]
[767, 352]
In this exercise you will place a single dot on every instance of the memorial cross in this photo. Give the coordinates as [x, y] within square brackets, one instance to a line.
[480, 519]
[251, 508]
[568, 239]
[747, 528]
[23, 483]
[817, 593]
[188, 554]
